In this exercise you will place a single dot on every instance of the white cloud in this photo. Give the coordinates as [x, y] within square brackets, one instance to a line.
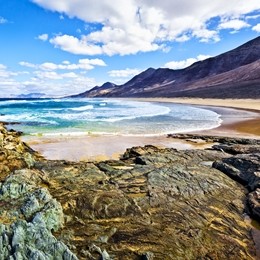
[48, 75]
[3, 20]
[59, 86]
[50, 83]
[252, 16]
[206, 35]
[96, 62]
[71, 86]
[235, 24]
[104, 42]
[182, 38]
[49, 66]
[83, 64]
[4, 73]
[43, 37]
[8, 84]
[54, 75]
[185, 63]
[2, 67]
[124, 73]
[50, 78]
[27, 64]
[132, 26]
[256, 28]
[70, 75]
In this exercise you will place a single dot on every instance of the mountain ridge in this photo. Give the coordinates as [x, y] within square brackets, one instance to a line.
[233, 74]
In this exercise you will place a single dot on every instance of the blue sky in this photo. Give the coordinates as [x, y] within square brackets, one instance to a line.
[64, 47]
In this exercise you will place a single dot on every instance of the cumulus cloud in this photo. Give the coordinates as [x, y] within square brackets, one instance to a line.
[132, 26]
[248, 17]
[54, 75]
[27, 64]
[182, 38]
[3, 20]
[123, 73]
[235, 24]
[53, 83]
[8, 84]
[108, 45]
[2, 67]
[256, 28]
[57, 85]
[83, 64]
[206, 35]
[185, 63]
[43, 37]
[4, 73]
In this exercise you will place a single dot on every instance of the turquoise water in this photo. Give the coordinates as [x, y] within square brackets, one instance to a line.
[104, 116]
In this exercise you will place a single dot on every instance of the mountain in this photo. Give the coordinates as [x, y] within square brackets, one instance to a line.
[31, 95]
[96, 91]
[234, 74]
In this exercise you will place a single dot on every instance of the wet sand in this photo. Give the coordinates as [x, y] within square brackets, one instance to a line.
[236, 122]
[248, 104]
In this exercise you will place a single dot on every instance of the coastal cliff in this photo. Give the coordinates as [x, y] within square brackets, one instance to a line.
[151, 204]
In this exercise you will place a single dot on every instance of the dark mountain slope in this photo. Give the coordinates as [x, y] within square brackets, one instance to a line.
[104, 89]
[237, 70]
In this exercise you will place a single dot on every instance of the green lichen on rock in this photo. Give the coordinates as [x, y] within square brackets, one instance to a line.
[29, 216]
[31, 236]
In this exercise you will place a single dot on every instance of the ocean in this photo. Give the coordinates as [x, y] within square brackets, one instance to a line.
[50, 117]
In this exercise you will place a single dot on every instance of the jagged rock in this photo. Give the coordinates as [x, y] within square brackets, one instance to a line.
[29, 215]
[29, 240]
[237, 149]
[244, 168]
[14, 154]
[148, 256]
[217, 139]
[254, 203]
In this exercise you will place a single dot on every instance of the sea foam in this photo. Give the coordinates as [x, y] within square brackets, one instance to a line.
[105, 116]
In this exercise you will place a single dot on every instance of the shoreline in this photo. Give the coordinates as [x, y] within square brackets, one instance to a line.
[242, 104]
[246, 126]
[236, 122]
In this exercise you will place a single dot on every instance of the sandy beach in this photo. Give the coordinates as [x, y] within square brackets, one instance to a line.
[240, 118]
[248, 104]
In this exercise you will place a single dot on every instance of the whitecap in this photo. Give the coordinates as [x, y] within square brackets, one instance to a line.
[82, 108]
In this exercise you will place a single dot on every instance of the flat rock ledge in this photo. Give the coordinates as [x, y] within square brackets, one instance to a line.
[151, 204]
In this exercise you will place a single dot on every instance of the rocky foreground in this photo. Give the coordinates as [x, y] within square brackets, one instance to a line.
[151, 204]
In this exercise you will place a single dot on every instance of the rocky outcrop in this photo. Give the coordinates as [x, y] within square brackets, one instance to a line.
[151, 204]
[243, 164]
[244, 167]
[14, 154]
[29, 215]
[28, 212]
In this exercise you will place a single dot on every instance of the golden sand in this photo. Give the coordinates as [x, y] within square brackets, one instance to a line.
[250, 104]
[250, 126]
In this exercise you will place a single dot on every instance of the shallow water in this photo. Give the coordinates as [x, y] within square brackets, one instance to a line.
[104, 116]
